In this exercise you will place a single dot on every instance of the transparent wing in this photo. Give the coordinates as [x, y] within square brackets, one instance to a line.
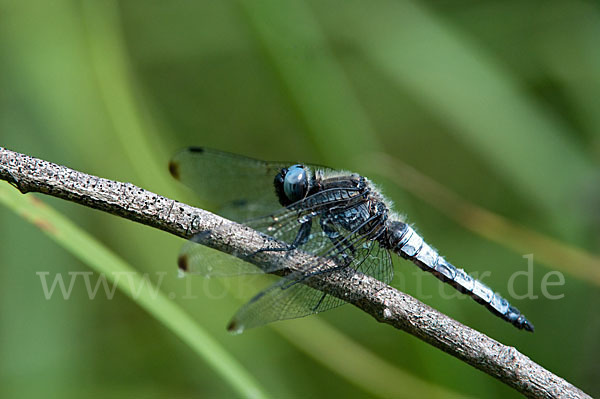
[238, 187]
[196, 258]
[276, 303]
[290, 298]
[378, 264]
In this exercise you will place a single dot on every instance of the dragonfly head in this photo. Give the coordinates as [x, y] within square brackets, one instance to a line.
[292, 184]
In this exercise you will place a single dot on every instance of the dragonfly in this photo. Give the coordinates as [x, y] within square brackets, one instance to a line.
[334, 215]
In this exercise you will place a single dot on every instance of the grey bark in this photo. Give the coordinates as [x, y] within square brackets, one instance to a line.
[386, 304]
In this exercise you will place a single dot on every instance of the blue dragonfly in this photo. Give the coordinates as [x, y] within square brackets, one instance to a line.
[332, 214]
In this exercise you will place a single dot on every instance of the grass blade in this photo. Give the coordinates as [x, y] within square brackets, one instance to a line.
[104, 262]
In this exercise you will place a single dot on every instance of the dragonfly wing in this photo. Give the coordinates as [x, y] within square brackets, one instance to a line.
[279, 302]
[378, 263]
[196, 258]
[290, 298]
[237, 187]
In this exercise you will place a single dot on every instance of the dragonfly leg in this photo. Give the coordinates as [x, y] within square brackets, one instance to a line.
[334, 236]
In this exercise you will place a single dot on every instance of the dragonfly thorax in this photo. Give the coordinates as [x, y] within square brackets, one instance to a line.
[358, 207]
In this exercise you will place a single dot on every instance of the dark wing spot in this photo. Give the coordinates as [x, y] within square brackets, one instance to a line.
[174, 169]
[196, 149]
[232, 326]
[182, 263]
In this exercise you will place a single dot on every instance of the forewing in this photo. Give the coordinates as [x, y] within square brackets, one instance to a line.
[238, 187]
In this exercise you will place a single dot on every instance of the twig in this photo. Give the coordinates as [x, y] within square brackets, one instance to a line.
[384, 303]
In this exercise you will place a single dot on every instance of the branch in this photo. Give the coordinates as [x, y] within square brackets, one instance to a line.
[384, 303]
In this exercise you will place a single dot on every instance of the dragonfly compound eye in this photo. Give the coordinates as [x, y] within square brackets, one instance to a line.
[295, 183]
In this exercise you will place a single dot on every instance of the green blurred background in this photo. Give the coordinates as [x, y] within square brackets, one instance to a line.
[497, 101]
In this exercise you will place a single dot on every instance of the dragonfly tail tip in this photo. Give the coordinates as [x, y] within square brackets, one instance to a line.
[529, 327]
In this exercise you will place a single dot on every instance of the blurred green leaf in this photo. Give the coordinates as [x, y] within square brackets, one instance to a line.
[313, 79]
[356, 363]
[105, 263]
[472, 92]
[494, 227]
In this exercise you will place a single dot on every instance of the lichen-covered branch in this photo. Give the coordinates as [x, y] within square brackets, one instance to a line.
[384, 303]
